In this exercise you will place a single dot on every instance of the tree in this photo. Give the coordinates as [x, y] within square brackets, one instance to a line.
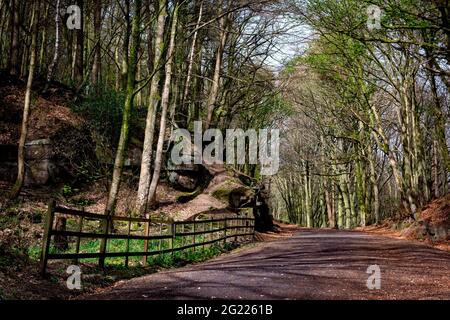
[79, 52]
[96, 66]
[130, 93]
[370, 98]
[54, 62]
[212, 98]
[164, 107]
[145, 174]
[26, 109]
[15, 25]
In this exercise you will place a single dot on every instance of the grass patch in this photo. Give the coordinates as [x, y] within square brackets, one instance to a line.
[166, 260]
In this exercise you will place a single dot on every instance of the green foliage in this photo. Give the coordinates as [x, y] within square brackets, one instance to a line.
[290, 66]
[67, 190]
[188, 196]
[221, 193]
[82, 202]
[104, 113]
[87, 172]
[14, 239]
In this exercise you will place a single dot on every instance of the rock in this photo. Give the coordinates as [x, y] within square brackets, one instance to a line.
[241, 197]
[187, 177]
[40, 168]
[263, 215]
[38, 150]
[415, 231]
[423, 230]
[183, 182]
[439, 233]
[40, 172]
[134, 157]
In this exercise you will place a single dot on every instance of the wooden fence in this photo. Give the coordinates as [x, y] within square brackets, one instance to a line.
[155, 236]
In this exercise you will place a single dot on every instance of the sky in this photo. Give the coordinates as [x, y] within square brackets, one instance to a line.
[293, 42]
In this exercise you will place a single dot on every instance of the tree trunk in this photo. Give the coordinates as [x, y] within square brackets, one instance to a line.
[191, 56]
[126, 44]
[43, 51]
[96, 66]
[308, 204]
[52, 66]
[145, 175]
[361, 192]
[120, 154]
[326, 184]
[164, 107]
[341, 213]
[15, 29]
[216, 77]
[374, 183]
[79, 51]
[26, 109]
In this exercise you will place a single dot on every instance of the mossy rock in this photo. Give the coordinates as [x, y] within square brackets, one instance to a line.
[223, 190]
[188, 196]
[233, 193]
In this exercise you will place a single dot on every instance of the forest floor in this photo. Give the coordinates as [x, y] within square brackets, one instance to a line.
[309, 264]
[388, 229]
[431, 228]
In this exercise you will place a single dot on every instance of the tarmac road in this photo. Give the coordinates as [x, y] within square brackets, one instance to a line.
[311, 264]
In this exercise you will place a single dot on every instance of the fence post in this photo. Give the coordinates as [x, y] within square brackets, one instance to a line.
[101, 260]
[254, 230]
[47, 235]
[255, 214]
[247, 229]
[128, 244]
[225, 226]
[174, 229]
[147, 233]
[211, 234]
[195, 229]
[236, 229]
[77, 247]
[204, 235]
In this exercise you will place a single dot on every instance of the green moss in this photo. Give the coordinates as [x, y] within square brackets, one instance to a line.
[222, 194]
[223, 191]
[188, 196]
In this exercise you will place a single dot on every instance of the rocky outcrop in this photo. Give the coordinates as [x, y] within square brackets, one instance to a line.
[59, 142]
[40, 166]
[213, 189]
[187, 177]
[433, 222]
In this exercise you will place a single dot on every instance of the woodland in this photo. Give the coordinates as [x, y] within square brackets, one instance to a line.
[91, 92]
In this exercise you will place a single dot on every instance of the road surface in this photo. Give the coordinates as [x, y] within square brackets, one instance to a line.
[311, 264]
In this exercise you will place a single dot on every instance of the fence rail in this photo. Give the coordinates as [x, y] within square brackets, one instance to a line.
[170, 236]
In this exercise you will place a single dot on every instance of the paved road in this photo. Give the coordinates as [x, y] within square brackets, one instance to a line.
[312, 264]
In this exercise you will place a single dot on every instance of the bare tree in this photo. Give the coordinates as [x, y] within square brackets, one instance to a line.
[26, 108]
